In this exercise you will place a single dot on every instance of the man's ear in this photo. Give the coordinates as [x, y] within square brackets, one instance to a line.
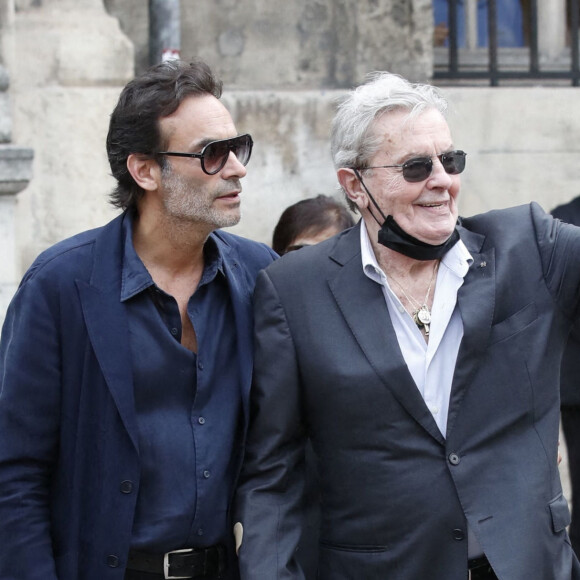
[145, 171]
[353, 187]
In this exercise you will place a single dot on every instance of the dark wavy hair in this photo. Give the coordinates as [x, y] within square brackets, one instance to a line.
[309, 217]
[134, 123]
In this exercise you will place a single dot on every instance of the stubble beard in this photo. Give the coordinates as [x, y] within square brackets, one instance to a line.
[187, 201]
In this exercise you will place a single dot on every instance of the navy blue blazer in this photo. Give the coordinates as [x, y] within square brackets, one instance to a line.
[69, 459]
[396, 495]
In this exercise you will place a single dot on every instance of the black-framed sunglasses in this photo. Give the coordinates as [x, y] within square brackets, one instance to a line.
[215, 155]
[420, 168]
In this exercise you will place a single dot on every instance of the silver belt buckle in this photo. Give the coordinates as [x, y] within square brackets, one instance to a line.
[166, 564]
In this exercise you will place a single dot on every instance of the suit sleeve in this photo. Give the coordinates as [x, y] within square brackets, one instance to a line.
[570, 214]
[559, 245]
[269, 497]
[29, 403]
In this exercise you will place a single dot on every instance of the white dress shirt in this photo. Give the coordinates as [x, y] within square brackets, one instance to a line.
[432, 363]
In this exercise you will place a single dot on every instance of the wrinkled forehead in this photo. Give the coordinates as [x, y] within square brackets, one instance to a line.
[394, 128]
[406, 120]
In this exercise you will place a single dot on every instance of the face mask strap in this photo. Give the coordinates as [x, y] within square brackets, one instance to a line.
[359, 177]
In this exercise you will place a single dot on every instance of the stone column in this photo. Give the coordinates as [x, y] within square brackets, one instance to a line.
[15, 173]
[68, 60]
[551, 28]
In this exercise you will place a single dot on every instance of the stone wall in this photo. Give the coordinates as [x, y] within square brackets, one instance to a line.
[298, 45]
[523, 145]
[15, 174]
[68, 60]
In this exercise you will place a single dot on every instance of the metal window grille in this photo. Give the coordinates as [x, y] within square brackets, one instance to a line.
[495, 64]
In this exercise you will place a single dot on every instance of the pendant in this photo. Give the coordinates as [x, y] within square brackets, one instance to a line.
[422, 318]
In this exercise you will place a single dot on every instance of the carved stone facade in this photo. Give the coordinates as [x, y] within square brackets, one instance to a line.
[15, 174]
[67, 60]
[299, 45]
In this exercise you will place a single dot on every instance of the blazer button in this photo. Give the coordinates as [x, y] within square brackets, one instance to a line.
[112, 561]
[458, 534]
[454, 459]
[126, 486]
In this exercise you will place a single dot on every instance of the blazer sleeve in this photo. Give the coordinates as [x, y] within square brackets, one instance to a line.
[29, 414]
[559, 245]
[270, 494]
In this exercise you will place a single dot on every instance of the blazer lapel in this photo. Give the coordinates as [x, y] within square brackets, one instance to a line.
[241, 298]
[372, 328]
[476, 302]
[107, 324]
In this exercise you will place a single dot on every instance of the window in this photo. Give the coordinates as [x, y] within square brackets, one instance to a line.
[509, 22]
[500, 40]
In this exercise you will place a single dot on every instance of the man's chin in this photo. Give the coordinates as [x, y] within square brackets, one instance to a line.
[230, 221]
[434, 239]
[434, 236]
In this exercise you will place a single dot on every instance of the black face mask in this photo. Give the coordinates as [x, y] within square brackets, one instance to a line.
[394, 237]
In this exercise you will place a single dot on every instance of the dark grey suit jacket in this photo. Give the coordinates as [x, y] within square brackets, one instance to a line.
[397, 495]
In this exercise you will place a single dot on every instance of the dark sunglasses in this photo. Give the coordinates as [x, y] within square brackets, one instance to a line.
[215, 154]
[420, 168]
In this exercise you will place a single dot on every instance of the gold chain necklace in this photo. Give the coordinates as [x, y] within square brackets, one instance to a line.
[421, 314]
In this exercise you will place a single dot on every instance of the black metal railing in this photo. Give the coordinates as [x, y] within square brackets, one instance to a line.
[459, 64]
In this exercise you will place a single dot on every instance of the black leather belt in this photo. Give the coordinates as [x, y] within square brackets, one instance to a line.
[480, 569]
[196, 563]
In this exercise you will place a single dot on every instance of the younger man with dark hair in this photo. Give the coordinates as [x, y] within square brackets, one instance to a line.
[126, 358]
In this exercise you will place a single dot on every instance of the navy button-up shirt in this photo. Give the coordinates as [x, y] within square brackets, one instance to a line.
[188, 406]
